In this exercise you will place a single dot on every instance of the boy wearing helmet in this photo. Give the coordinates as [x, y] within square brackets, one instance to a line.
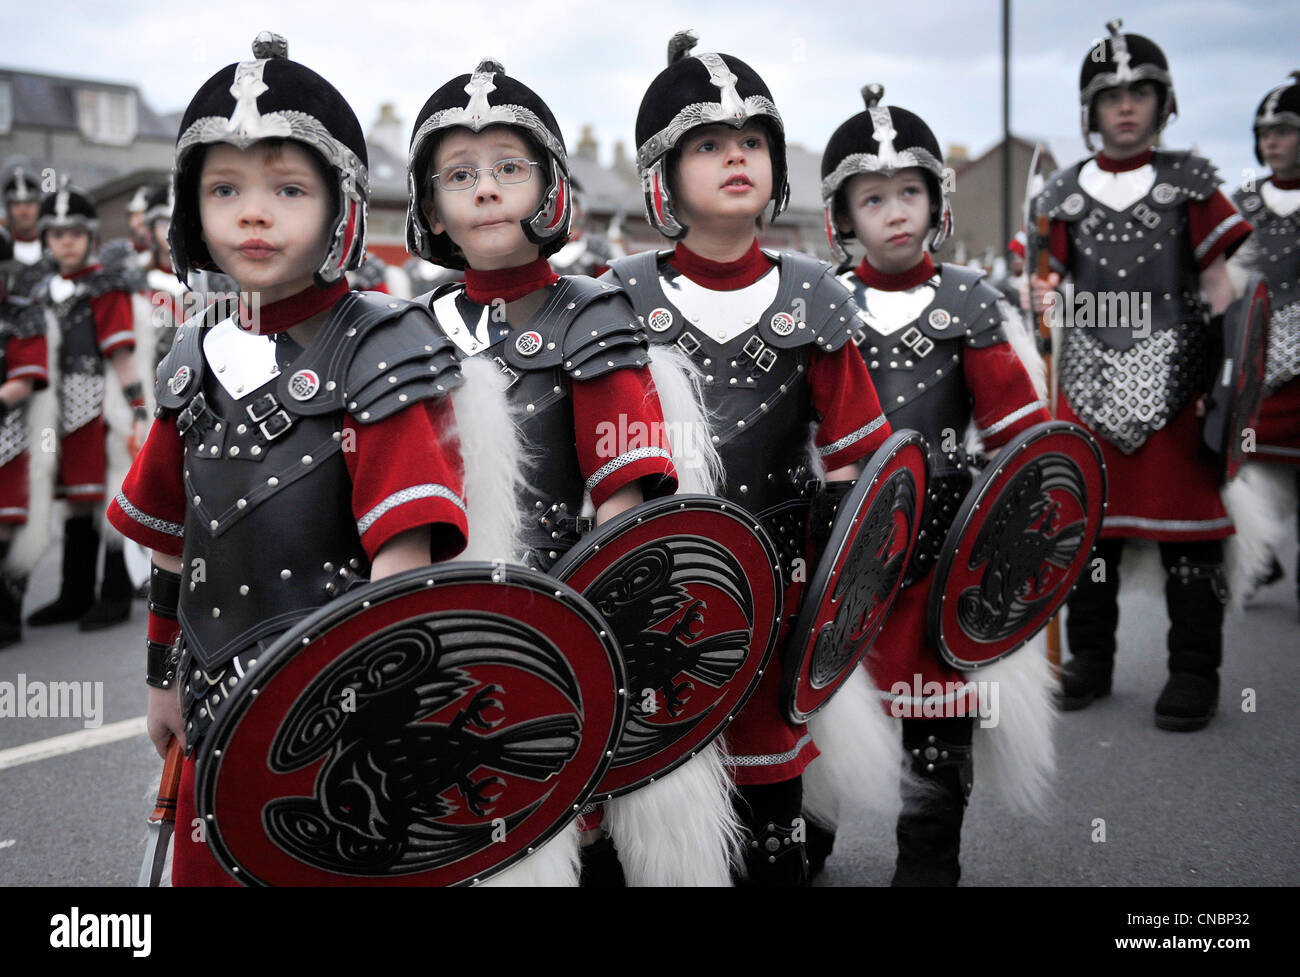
[940, 345]
[1151, 224]
[1272, 206]
[259, 480]
[771, 335]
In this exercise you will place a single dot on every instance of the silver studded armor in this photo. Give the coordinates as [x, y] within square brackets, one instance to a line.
[584, 330]
[1274, 251]
[269, 533]
[18, 319]
[1127, 373]
[756, 388]
[917, 373]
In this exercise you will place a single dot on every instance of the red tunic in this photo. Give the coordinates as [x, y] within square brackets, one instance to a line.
[1278, 434]
[25, 358]
[1167, 490]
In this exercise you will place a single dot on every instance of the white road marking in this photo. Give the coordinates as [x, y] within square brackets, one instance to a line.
[82, 739]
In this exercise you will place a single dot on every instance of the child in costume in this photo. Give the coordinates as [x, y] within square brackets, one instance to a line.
[771, 335]
[939, 343]
[257, 469]
[1130, 221]
[1265, 491]
[491, 194]
[23, 370]
[88, 311]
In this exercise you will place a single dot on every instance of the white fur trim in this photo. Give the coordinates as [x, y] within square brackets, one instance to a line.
[555, 864]
[861, 757]
[494, 459]
[1013, 324]
[680, 830]
[1262, 503]
[1016, 757]
[695, 456]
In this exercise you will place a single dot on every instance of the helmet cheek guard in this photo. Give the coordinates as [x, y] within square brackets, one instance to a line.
[548, 227]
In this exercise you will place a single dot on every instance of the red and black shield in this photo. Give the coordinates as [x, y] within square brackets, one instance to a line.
[1019, 542]
[858, 576]
[428, 729]
[690, 587]
[1238, 391]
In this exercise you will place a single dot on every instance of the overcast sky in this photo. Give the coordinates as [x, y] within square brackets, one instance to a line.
[592, 61]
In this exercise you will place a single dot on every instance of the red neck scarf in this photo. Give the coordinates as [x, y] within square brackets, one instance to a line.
[287, 313]
[1124, 165]
[26, 239]
[508, 284]
[721, 276]
[918, 274]
[82, 272]
[1284, 184]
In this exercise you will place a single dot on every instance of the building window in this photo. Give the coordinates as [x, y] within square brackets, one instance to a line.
[107, 117]
[6, 106]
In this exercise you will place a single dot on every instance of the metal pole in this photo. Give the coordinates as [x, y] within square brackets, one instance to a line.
[1007, 232]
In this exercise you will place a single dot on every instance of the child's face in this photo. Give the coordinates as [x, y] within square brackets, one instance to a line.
[484, 219]
[265, 217]
[723, 177]
[23, 217]
[1126, 118]
[1280, 147]
[891, 217]
[70, 247]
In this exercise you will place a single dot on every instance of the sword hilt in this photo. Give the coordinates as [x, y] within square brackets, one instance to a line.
[169, 786]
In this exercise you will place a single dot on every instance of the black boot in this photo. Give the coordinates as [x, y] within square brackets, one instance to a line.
[934, 801]
[11, 602]
[600, 866]
[115, 594]
[775, 852]
[1093, 616]
[821, 842]
[1195, 594]
[77, 590]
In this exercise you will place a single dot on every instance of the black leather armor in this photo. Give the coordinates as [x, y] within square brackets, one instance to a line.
[917, 373]
[755, 384]
[1125, 383]
[19, 319]
[269, 533]
[1273, 250]
[584, 330]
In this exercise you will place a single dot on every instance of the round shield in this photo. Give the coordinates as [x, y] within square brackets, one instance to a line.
[858, 576]
[1238, 391]
[428, 729]
[691, 589]
[1019, 542]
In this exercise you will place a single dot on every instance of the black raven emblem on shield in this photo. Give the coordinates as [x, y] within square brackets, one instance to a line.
[645, 589]
[390, 779]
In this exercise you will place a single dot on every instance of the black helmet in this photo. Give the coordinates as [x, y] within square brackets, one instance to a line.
[1280, 107]
[694, 91]
[487, 97]
[883, 139]
[68, 206]
[1121, 61]
[21, 186]
[272, 97]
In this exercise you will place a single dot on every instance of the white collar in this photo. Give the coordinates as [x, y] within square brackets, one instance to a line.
[1118, 191]
[242, 361]
[722, 316]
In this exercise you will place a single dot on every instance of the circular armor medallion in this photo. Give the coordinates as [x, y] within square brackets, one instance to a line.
[529, 343]
[1251, 204]
[303, 385]
[940, 319]
[782, 323]
[180, 380]
[1073, 204]
[660, 320]
[1163, 193]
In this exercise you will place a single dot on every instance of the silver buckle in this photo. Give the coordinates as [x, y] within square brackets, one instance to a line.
[687, 342]
[766, 360]
[277, 416]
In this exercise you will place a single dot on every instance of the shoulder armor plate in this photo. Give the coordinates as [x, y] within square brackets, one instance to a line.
[964, 304]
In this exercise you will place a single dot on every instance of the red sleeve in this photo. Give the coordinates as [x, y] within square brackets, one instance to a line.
[619, 428]
[1058, 246]
[405, 474]
[1005, 400]
[150, 508]
[852, 424]
[1216, 228]
[114, 322]
[28, 359]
